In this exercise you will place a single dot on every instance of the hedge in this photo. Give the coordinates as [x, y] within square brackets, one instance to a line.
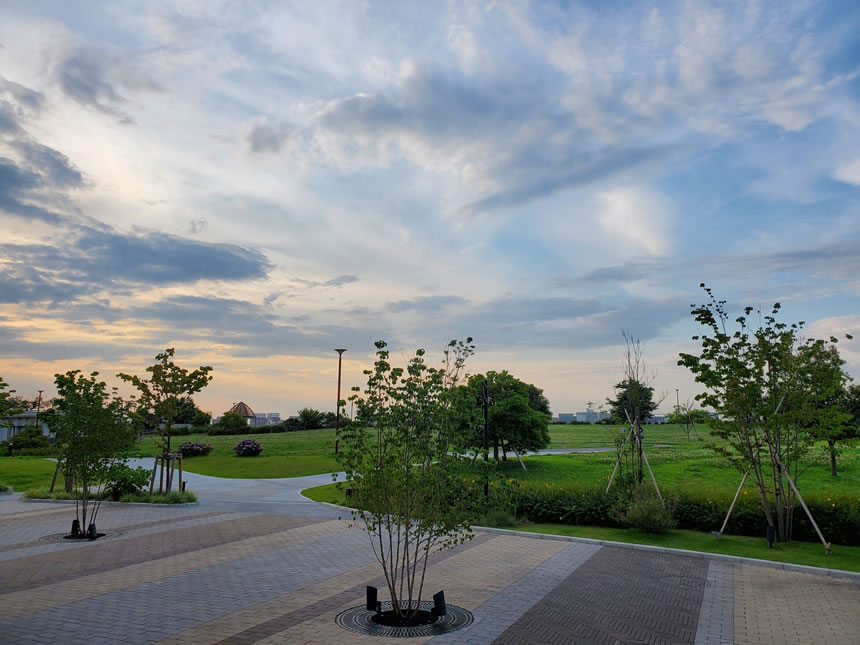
[837, 517]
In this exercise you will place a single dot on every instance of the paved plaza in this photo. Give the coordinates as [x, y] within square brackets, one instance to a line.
[254, 562]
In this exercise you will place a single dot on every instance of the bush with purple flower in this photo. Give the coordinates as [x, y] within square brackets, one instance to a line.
[189, 449]
[248, 448]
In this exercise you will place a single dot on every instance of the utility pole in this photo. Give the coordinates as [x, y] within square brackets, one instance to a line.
[337, 413]
[38, 407]
[485, 400]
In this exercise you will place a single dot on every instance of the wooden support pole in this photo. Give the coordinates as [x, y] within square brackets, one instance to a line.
[808, 514]
[179, 456]
[618, 461]
[161, 475]
[653, 479]
[54, 478]
[152, 479]
[729, 514]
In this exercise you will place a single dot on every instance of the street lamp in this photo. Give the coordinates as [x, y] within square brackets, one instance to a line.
[337, 414]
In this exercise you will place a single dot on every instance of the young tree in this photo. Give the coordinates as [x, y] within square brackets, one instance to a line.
[166, 390]
[823, 412]
[406, 483]
[8, 404]
[94, 432]
[518, 414]
[761, 382]
[633, 404]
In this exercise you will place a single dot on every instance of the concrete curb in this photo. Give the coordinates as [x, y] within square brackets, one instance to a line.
[786, 566]
[71, 501]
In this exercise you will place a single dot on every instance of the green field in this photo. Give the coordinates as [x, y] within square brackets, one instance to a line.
[24, 473]
[306, 442]
[809, 553]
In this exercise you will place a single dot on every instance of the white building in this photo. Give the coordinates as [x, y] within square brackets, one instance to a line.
[16, 423]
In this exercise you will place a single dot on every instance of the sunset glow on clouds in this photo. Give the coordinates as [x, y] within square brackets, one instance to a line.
[258, 183]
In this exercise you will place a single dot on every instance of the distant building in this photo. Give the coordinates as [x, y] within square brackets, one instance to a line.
[567, 417]
[17, 423]
[657, 418]
[253, 418]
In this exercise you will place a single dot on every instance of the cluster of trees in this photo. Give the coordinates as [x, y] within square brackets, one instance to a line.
[518, 414]
[776, 393]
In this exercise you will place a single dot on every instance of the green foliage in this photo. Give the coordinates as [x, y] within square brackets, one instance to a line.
[410, 491]
[93, 428]
[173, 497]
[498, 519]
[682, 415]
[312, 419]
[633, 399]
[9, 404]
[645, 511]
[513, 422]
[3, 487]
[28, 441]
[124, 480]
[167, 390]
[770, 389]
[232, 421]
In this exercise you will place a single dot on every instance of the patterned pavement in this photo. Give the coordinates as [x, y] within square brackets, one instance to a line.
[279, 571]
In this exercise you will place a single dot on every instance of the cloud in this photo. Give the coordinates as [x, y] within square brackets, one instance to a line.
[849, 172]
[26, 98]
[635, 218]
[107, 257]
[339, 281]
[17, 186]
[267, 136]
[54, 166]
[94, 79]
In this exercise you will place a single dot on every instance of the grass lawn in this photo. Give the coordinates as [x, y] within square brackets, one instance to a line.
[843, 557]
[24, 473]
[675, 470]
[846, 558]
[261, 467]
[600, 436]
[306, 442]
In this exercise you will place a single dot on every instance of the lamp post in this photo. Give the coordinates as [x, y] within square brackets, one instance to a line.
[337, 413]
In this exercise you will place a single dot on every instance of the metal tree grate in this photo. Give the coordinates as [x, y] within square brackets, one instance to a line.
[358, 619]
[60, 538]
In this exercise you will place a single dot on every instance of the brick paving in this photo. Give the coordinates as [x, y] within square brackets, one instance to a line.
[279, 570]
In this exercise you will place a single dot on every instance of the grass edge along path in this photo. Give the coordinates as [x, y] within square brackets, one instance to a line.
[845, 558]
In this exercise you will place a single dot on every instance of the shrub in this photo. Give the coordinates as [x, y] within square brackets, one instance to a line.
[498, 518]
[232, 421]
[189, 449]
[3, 487]
[123, 480]
[645, 511]
[248, 448]
[29, 439]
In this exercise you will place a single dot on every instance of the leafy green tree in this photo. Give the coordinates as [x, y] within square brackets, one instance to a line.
[232, 421]
[93, 429]
[823, 412]
[513, 423]
[633, 402]
[165, 391]
[312, 419]
[761, 381]
[680, 414]
[407, 486]
[8, 404]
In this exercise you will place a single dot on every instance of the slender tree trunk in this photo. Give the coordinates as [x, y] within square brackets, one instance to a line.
[831, 447]
[496, 449]
[504, 452]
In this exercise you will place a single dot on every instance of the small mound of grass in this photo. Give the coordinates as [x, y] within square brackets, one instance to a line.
[173, 497]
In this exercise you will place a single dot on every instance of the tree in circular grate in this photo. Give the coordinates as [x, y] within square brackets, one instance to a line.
[65, 538]
[360, 620]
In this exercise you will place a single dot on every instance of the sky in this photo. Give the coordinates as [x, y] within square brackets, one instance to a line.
[258, 183]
